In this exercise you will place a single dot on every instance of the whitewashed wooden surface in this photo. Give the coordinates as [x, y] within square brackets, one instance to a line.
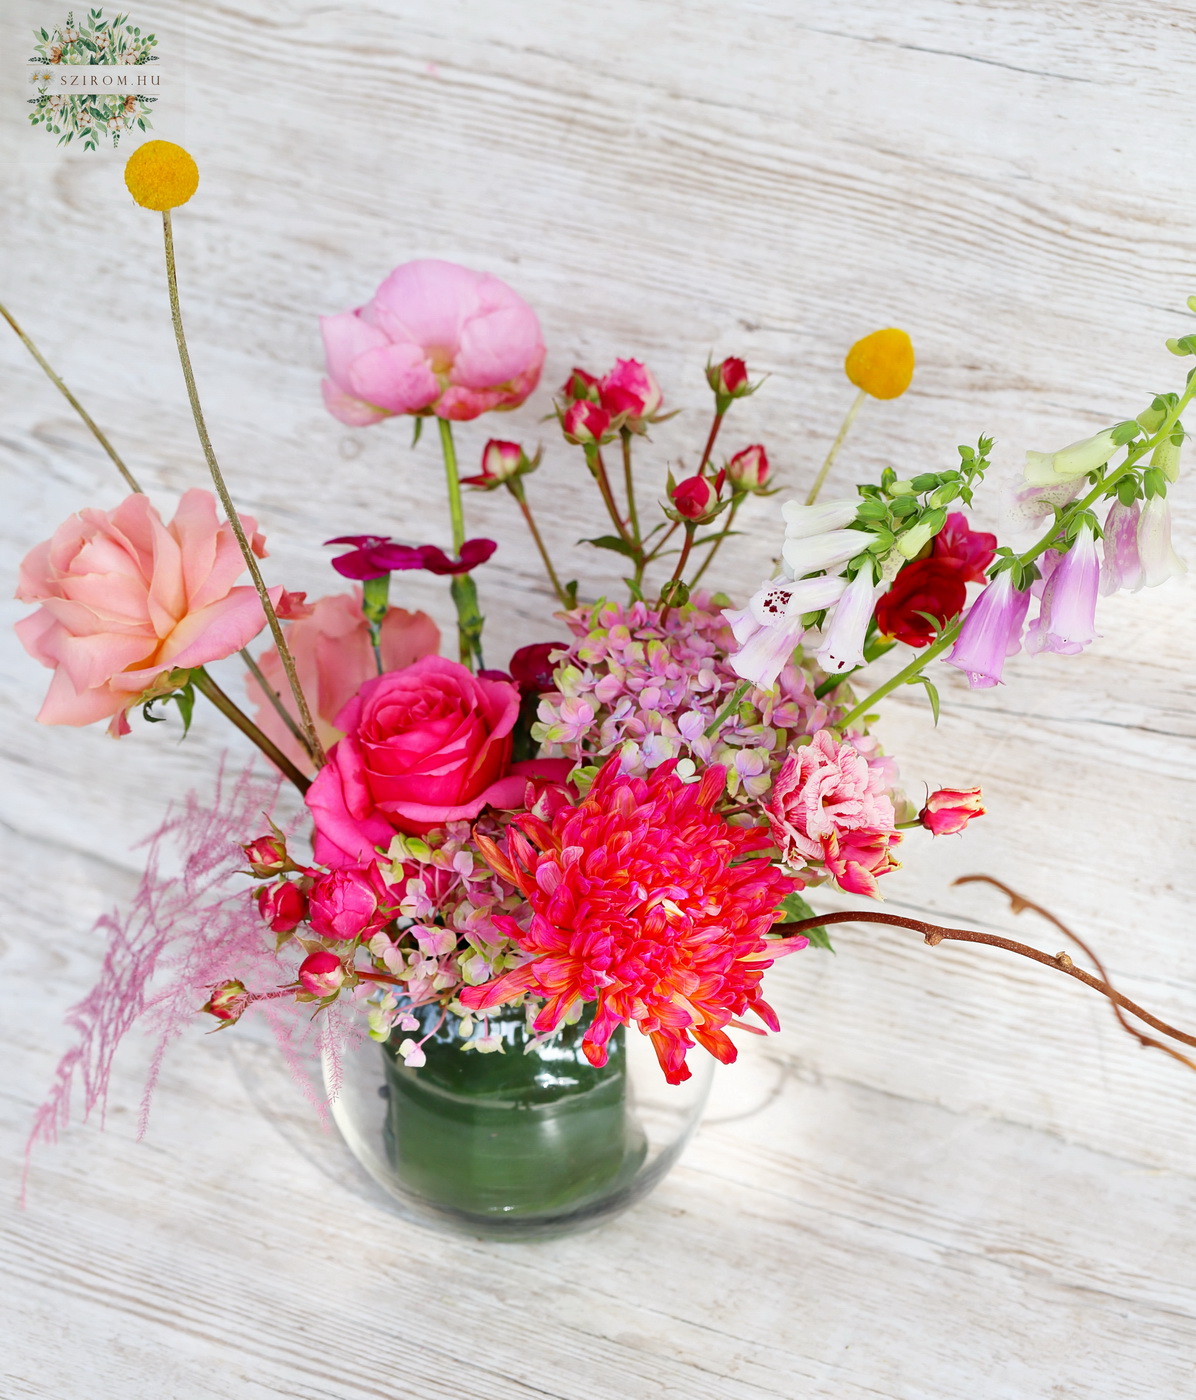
[950, 1175]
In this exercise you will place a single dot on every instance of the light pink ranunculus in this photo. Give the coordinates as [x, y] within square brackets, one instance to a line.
[424, 746]
[334, 658]
[124, 598]
[434, 337]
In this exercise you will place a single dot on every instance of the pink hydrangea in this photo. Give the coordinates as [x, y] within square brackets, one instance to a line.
[829, 807]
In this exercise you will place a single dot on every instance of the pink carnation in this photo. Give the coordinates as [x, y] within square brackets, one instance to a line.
[828, 806]
[125, 598]
[435, 337]
[334, 659]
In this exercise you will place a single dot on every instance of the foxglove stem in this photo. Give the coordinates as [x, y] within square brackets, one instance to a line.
[844, 429]
[208, 687]
[73, 401]
[515, 487]
[722, 535]
[275, 699]
[629, 484]
[907, 673]
[314, 747]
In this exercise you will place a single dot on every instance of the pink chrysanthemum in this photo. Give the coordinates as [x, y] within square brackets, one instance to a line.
[829, 806]
[645, 902]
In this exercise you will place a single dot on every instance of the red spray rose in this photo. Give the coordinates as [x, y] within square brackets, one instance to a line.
[928, 586]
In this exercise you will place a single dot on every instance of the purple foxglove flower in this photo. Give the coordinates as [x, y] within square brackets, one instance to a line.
[770, 627]
[803, 521]
[1075, 460]
[1066, 620]
[1123, 565]
[842, 646]
[992, 630]
[1159, 561]
[826, 551]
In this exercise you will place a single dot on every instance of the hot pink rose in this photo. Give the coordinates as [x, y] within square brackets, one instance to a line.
[124, 598]
[352, 902]
[630, 388]
[334, 658]
[949, 810]
[434, 336]
[424, 746]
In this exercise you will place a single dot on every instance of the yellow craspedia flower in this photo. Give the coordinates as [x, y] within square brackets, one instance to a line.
[882, 364]
[161, 175]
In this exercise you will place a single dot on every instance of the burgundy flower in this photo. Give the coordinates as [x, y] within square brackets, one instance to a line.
[375, 555]
[928, 589]
[531, 669]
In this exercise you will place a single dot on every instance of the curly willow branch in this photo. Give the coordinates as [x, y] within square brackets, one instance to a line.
[934, 934]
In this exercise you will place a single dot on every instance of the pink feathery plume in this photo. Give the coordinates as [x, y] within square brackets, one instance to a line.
[183, 933]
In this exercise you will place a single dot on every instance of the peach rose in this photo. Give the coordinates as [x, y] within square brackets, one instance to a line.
[333, 657]
[125, 598]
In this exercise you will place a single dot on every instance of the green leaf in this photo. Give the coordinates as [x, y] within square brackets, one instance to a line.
[418, 429]
[931, 688]
[615, 542]
[794, 908]
[637, 593]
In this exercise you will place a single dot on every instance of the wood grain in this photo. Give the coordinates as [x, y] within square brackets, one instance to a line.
[949, 1174]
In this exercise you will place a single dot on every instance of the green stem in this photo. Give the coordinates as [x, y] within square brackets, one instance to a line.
[709, 448]
[598, 467]
[315, 748]
[733, 704]
[207, 686]
[835, 446]
[1101, 488]
[453, 480]
[714, 548]
[515, 486]
[629, 483]
[73, 401]
[275, 699]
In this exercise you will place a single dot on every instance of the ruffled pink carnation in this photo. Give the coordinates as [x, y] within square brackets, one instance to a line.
[125, 597]
[829, 806]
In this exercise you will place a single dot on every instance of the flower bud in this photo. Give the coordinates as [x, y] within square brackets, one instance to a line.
[915, 539]
[695, 498]
[949, 810]
[630, 389]
[228, 1001]
[1166, 456]
[748, 470]
[585, 422]
[882, 364]
[283, 906]
[532, 669]
[580, 385]
[352, 902]
[267, 855]
[501, 462]
[1075, 460]
[729, 380]
[321, 973]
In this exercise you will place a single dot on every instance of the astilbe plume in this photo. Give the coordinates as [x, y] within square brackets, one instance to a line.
[649, 903]
[182, 933]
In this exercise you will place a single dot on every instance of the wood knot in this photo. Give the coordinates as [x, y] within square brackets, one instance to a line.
[934, 938]
[1063, 960]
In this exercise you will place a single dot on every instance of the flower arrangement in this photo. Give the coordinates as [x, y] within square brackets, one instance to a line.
[616, 829]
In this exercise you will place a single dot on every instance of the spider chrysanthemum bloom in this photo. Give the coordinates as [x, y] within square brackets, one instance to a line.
[647, 902]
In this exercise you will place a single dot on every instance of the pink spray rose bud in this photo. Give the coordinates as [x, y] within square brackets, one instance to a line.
[268, 855]
[748, 470]
[501, 462]
[227, 1002]
[580, 385]
[283, 906]
[321, 973]
[585, 422]
[950, 809]
[729, 380]
[695, 498]
[353, 902]
[630, 389]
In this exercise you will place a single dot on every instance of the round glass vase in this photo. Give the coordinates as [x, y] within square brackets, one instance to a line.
[528, 1142]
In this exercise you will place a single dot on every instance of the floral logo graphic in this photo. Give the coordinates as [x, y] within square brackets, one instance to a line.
[80, 106]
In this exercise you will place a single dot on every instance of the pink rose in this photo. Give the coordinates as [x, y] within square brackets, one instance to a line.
[630, 388]
[695, 497]
[748, 470]
[124, 598]
[352, 902]
[434, 336]
[423, 746]
[334, 658]
[283, 906]
[321, 973]
[585, 422]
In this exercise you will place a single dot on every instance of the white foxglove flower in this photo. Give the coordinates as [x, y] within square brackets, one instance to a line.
[828, 551]
[842, 646]
[1159, 561]
[770, 627]
[803, 521]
